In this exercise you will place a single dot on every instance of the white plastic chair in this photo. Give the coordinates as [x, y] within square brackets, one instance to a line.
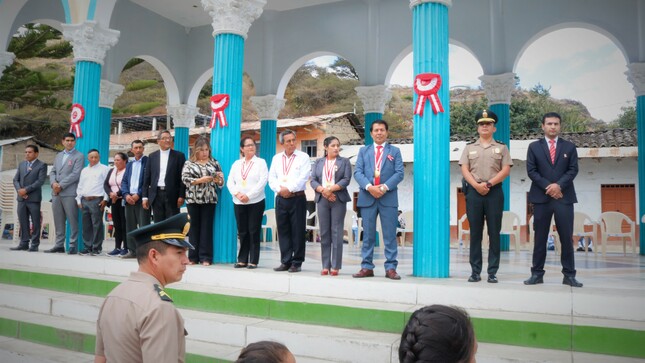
[347, 226]
[315, 228]
[611, 225]
[579, 221]
[48, 220]
[270, 224]
[556, 237]
[408, 216]
[462, 231]
[511, 226]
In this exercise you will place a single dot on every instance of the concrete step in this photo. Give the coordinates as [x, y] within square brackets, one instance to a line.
[20, 351]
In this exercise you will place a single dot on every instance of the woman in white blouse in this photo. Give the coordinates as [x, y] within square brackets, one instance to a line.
[246, 182]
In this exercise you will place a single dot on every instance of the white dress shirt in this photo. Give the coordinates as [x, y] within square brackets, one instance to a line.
[163, 166]
[296, 178]
[256, 180]
[91, 181]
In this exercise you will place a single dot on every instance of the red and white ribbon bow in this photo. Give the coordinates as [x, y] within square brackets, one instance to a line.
[218, 105]
[78, 114]
[426, 85]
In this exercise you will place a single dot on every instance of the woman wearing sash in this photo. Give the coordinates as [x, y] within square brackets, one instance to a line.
[246, 182]
[329, 178]
[202, 176]
[112, 187]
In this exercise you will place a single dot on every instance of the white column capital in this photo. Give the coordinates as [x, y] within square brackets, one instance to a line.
[233, 16]
[182, 115]
[636, 76]
[90, 41]
[498, 87]
[109, 93]
[374, 98]
[414, 3]
[268, 106]
[6, 59]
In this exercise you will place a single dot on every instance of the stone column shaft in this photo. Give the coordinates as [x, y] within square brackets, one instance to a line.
[431, 143]
[499, 89]
[636, 75]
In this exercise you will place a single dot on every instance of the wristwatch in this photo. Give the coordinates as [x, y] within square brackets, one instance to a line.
[489, 185]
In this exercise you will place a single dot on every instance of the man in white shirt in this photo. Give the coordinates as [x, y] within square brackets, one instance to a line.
[288, 177]
[91, 199]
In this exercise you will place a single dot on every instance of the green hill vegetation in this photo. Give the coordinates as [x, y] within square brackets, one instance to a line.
[36, 95]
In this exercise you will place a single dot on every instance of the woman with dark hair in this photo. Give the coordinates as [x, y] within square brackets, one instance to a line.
[330, 177]
[112, 187]
[438, 333]
[265, 352]
[246, 182]
[202, 176]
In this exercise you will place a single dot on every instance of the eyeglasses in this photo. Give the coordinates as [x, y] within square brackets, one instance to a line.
[249, 145]
[165, 138]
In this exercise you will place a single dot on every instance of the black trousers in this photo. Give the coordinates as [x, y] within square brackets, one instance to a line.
[291, 214]
[543, 213]
[27, 211]
[489, 207]
[118, 223]
[162, 207]
[201, 231]
[249, 227]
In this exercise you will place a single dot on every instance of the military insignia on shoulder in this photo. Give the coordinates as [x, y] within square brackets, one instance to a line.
[472, 142]
[162, 294]
[499, 142]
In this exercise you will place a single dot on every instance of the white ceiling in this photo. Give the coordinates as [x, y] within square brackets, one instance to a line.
[189, 13]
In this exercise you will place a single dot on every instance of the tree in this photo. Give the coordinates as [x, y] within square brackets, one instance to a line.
[626, 119]
[344, 69]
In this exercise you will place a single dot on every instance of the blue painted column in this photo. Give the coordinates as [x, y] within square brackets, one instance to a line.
[183, 119]
[231, 22]
[636, 75]
[109, 93]
[268, 108]
[431, 143]
[90, 43]
[374, 99]
[499, 89]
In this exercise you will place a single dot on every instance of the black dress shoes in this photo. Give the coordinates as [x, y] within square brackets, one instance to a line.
[571, 281]
[20, 248]
[474, 278]
[72, 251]
[55, 250]
[33, 249]
[534, 280]
[295, 268]
[282, 267]
[492, 279]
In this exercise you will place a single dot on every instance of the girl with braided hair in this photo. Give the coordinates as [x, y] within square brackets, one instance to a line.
[438, 333]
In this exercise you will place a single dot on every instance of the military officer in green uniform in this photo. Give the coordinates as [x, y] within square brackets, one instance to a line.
[138, 321]
[485, 163]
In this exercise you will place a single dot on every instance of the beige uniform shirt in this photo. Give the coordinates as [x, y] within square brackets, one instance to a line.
[485, 162]
[138, 323]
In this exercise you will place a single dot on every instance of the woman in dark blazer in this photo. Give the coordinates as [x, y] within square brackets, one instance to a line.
[330, 177]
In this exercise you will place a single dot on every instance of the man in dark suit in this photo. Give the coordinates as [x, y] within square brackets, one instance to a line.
[379, 169]
[64, 178]
[28, 181]
[163, 189]
[131, 189]
[552, 164]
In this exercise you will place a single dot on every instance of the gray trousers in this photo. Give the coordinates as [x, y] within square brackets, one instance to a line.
[25, 211]
[135, 217]
[65, 210]
[331, 219]
[92, 224]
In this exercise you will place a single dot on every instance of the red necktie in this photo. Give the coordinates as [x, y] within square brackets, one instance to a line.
[377, 165]
[552, 151]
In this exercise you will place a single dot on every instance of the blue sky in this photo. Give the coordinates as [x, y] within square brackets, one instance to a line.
[577, 64]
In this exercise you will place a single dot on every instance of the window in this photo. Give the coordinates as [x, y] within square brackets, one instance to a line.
[310, 147]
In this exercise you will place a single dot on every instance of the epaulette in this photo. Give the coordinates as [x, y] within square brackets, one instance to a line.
[472, 142]
[162, 294]
[499, 142]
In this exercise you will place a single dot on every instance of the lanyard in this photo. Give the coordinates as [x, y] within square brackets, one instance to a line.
[245, 170]
[286, 166]
[329, 171]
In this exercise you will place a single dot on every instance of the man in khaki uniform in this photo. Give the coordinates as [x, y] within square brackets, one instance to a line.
[138, 322]
[485, 163]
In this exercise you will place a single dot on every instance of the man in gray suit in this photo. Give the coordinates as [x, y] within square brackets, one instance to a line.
[64, 181]
[28, 182]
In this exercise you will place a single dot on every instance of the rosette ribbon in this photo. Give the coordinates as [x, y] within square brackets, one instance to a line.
[426, 85]
[218, 105]
[77, 115]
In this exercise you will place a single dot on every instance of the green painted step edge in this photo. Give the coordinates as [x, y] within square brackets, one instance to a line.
[69, 340]
[598, 340]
